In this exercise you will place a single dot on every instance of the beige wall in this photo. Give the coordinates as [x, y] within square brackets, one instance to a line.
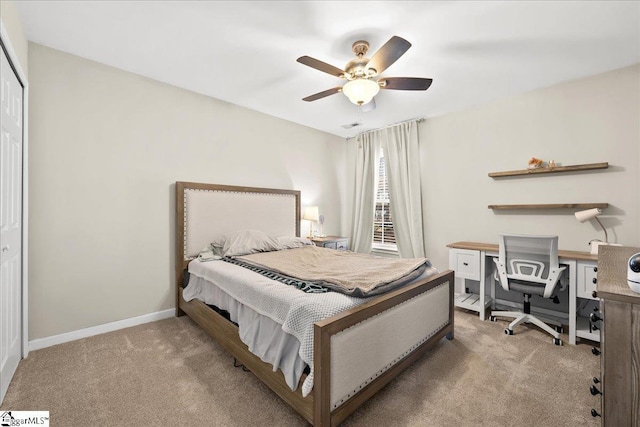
[107, 145]
[106, 148]
[591, 120]
[11, 20]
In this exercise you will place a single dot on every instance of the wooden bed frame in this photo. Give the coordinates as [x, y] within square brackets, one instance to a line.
[317, 408]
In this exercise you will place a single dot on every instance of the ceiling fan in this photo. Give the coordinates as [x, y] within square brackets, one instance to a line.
[361, 73]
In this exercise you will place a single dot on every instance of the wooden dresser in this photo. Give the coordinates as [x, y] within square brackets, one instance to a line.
[620, 339]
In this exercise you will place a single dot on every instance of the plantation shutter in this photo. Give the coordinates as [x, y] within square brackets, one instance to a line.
[383, 233]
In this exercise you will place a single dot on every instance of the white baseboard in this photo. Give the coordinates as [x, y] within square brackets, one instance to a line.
[39, 343]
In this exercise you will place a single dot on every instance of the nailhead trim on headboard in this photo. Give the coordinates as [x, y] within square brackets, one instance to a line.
[186, 190]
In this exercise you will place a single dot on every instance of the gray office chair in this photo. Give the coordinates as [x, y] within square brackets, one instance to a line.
[529, 264]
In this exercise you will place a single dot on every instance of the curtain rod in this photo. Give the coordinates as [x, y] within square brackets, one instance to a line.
[420, 120]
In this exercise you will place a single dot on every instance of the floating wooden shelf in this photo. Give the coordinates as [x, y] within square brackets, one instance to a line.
[557, 169]
[552, 206]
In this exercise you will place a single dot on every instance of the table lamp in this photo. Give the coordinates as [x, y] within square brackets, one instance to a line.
[311, 215]
[584, 216]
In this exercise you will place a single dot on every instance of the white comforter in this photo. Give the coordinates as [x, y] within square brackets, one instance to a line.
[294, 309]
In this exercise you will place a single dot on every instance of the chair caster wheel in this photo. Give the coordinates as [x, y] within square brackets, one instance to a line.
[508, 331]
[557, 341]
[493, 318]
[559, 329]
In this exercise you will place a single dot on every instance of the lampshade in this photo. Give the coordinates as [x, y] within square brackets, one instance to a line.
[583, 216]
[360, 91]
[311, 213]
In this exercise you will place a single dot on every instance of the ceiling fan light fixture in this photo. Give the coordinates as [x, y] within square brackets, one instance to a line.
[360, 91]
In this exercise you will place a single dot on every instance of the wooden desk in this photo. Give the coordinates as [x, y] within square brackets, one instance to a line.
[474, 261]
[493, 248]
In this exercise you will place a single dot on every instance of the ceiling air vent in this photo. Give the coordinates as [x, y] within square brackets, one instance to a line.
[351, 125]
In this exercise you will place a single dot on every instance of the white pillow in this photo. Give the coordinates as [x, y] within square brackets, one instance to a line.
[208, 254]
[287, 242]
[244, 242]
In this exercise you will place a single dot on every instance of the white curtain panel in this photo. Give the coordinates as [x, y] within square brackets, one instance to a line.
[363, 200]
[402, 163]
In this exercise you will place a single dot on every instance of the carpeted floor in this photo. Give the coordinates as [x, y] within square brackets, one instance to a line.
[171, 373]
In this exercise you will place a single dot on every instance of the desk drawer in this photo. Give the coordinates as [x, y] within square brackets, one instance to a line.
[586, 279]
[465, 263]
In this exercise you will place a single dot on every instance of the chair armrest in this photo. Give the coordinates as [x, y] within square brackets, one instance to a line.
[501, 273]
[555, 276]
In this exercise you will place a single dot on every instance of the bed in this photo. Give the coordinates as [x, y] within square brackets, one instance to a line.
[355, 352]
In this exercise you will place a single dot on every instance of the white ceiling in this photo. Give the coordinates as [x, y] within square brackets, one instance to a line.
[245, 52]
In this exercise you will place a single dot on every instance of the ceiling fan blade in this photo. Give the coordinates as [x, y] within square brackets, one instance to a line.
[321, 66]
[388, 54]
[405, 83]
[322, 94]
[369, 106]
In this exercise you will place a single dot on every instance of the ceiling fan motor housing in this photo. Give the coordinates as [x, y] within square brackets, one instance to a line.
[357, 68]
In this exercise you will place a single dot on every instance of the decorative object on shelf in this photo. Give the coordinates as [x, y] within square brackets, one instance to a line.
[535, 163]
[551, 164]
[633, 272]
[549, 169]
[311, 215]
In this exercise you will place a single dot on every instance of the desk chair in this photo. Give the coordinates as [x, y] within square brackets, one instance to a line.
[529, 264]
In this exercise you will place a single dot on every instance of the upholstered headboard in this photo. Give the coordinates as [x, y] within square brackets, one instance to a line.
[206, 210]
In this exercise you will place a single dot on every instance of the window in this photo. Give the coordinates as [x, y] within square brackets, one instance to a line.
[383, 235]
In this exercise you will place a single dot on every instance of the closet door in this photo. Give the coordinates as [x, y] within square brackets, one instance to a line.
[10, 223]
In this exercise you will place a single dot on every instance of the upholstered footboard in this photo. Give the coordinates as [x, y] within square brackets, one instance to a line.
[359, 351]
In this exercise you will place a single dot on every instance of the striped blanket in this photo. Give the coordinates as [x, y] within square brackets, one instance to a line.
[303, 285]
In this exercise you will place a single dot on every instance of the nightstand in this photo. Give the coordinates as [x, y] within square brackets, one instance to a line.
[332, 242]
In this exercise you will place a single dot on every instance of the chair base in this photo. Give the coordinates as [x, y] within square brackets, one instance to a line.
[527, 318]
